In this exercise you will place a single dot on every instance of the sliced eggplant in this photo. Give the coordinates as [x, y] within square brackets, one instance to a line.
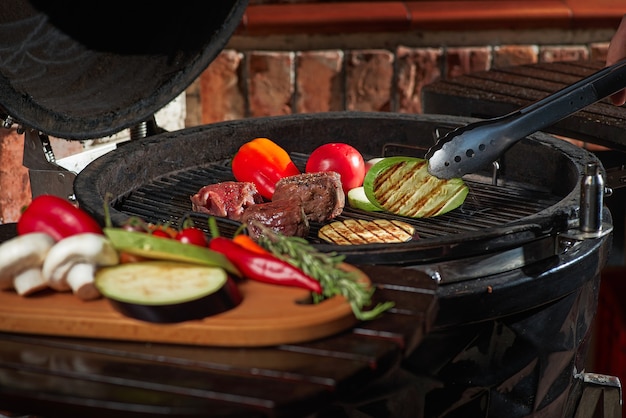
[167, 291]
[355, 232]
[403, 186]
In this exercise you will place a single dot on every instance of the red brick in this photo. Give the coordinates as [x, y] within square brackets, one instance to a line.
[319, 83]
[461, 61]
[14, 182]
[509, 55]
[597, 51]
[416, 68]
[369, 74]
[221, 97]
[270, 83]
[563, 53]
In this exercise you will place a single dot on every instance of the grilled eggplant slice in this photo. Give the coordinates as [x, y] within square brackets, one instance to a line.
[403, 186]
[358, 231]
[167, 291]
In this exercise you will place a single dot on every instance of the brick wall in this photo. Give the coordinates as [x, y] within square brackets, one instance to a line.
[266, 82]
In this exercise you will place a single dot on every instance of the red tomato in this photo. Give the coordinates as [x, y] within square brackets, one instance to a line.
[341, 158]
[193, 236]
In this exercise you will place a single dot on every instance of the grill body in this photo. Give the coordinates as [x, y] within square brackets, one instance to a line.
[516, 298]
[512, 344]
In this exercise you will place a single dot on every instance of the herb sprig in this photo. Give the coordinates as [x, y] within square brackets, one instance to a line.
[325, 267]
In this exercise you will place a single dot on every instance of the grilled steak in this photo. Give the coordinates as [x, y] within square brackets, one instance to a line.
[284, 216]
[227, 199]
[321, 194]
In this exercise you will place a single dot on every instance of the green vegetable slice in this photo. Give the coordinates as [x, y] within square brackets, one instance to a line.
[359, 231]
[167, 291]
[358, 200]
[403, 186]
[159, 282]
[158, 248]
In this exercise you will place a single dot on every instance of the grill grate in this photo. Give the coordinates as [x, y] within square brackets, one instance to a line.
[166, 200]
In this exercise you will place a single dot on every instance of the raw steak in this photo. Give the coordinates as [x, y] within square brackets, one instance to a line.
[227, 199]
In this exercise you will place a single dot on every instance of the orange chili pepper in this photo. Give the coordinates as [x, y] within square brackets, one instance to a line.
[246, 242]
[263, 162]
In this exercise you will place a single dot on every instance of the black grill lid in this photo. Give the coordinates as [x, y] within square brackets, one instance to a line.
[80, 69]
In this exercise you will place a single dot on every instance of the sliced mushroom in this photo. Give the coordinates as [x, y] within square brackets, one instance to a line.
[21, 260]
[72, 262]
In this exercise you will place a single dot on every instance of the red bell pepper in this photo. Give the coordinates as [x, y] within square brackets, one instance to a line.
[263, 162]
[264, 267]
[56, 217]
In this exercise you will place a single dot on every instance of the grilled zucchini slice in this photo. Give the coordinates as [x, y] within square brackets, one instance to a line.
[358, 231]
[403, 186]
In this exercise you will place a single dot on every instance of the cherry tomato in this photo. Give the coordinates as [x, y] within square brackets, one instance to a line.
[161, 233]
[161, 230]
[193, 236]
[341, 158]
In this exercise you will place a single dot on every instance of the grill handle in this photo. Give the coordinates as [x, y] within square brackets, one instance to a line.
[591, 199]
[470, 148]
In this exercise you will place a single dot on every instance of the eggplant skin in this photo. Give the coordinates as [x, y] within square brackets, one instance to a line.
[224, 299]
[167, 291]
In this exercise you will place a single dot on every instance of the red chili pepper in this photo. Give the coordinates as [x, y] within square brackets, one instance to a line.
[264, 267]
[56, 217]
[263, 162]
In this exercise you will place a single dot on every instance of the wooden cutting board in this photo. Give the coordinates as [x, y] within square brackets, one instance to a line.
[268, 315]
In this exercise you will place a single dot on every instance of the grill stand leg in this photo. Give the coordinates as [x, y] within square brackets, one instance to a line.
[46, 177]
[601, 396]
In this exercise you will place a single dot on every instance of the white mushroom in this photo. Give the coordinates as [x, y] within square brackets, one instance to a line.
[71, 263]
[21, 260]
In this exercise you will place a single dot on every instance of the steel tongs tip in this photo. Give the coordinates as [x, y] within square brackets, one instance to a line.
[440, 168]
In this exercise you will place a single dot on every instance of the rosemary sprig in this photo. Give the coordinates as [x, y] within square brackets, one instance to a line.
[325, 268]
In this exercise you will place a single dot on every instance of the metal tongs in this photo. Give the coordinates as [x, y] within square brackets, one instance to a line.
[470, 147]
